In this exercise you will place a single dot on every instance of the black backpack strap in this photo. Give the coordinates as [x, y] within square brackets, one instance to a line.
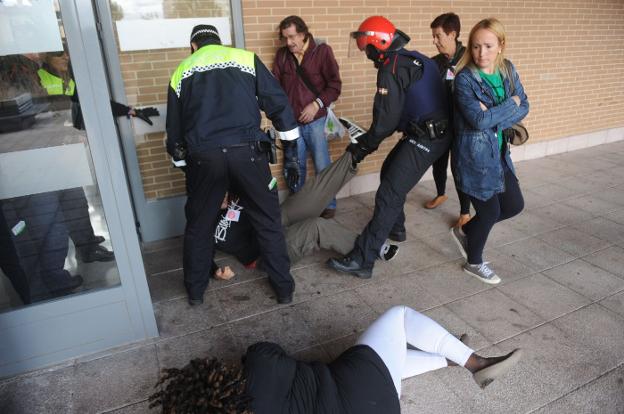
[303, 75]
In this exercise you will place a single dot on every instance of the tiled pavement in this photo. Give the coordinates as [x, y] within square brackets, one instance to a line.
[562, 299]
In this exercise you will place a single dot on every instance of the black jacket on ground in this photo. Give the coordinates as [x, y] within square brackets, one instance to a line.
[357, 382]
[237, 238]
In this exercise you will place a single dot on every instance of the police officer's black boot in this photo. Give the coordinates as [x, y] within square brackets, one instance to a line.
[398, 236]
[286, 299]
[195, 302]
[94, 253]
[351, 266]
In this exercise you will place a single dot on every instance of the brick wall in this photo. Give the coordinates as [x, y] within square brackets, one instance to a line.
[569, 54]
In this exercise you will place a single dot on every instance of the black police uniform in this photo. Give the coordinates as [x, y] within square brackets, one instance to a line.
[410, 98]
[213, 110]
[33, 257]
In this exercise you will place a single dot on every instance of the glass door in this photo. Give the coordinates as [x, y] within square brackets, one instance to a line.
[143, 42]
[71, 276]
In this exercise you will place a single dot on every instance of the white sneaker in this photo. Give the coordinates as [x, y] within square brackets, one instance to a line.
[388, 251]
[482, 272]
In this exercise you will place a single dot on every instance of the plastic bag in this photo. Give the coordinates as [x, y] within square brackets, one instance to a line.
[333, 128]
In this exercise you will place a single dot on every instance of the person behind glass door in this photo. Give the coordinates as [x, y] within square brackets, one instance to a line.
[55, 78]
[490, 98]
[309, 74]
[33, 231]
[365, 379]
[34, 243]
[445, 31]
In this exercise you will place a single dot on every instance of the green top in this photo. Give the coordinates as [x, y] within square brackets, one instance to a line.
[495, 80]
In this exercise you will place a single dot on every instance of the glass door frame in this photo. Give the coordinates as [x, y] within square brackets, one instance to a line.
[51, 332]
[160, 218]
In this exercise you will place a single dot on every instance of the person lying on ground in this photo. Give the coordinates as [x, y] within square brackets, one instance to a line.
[366, 378]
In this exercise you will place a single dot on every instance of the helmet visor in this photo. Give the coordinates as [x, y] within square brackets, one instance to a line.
[357, 44]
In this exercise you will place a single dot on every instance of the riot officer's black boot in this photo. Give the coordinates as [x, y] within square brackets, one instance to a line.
[351, 266]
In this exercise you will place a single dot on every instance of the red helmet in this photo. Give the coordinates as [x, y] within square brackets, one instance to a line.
[380, 33]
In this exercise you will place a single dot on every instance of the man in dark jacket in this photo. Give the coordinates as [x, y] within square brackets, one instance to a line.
[308, 72]
[410, 98]
[445, 31]
[213, 122]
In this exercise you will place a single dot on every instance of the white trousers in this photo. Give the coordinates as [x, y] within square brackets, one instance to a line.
[401, 325]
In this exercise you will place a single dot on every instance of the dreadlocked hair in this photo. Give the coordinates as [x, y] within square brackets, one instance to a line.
[202, 386]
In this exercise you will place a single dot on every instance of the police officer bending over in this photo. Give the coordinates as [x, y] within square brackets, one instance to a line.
[411, 99]
[213, 122]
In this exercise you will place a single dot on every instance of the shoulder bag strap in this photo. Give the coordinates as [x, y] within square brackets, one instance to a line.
[303, 76]
[512, 82]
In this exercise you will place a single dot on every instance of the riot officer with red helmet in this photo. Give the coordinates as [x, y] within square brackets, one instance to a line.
[411, 99]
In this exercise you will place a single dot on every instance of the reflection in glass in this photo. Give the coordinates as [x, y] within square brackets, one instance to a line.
[54, 239]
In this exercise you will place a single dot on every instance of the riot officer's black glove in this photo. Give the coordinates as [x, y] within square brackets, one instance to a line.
[358, 152]
[291, 173]
[144, 114]
[291, 165]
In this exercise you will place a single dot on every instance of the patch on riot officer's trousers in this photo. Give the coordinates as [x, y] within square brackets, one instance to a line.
[418, 145]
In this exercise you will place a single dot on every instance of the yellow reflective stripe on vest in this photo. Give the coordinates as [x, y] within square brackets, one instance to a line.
[54, 85]
[212, 57]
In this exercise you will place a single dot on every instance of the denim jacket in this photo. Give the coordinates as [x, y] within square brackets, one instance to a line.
[476, 152]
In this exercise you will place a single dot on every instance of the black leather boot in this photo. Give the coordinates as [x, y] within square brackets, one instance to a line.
[349, 265]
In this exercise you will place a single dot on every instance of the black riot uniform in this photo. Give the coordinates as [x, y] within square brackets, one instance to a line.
[411, 99]
[213, 120]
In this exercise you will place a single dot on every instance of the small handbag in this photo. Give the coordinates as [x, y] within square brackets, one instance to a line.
[520, 134]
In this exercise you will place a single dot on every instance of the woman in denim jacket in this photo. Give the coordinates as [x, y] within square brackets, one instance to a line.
[489, 99]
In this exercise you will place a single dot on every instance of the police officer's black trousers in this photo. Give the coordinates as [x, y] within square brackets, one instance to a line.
[401, 171]
[244, 171]
[75, 208]
[34, 259]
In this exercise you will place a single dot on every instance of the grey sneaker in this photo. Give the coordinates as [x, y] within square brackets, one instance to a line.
[482, 272]
[460, 240]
